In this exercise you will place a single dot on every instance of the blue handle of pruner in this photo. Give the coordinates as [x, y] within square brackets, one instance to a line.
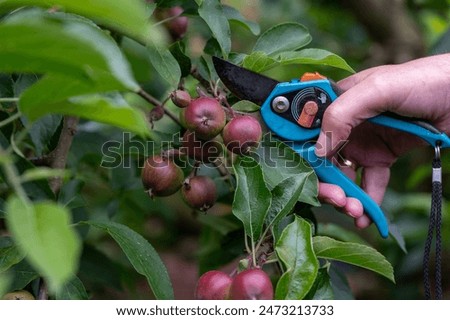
[329, 173]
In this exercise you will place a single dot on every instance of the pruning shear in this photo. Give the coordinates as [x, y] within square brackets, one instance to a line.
[293, 111]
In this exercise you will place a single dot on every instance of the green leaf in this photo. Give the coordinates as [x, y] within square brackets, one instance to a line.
[310, 191]
[21, 275]
[294, 248]
[284, 197]
[50, 91]
[36, 189]
[353, 253]
[321, 289]
[42, 131]
[283, 37]
[212, 48]
[233, 15]
[130, 18]
[259, 61]
[212, 13]
[73, 290]
[165, 64]
[23, 82]
[315, 57]
[10, 256]
[279, 162]
[339, 283]
[5, 281]
[246, 106]
[137, 56]
[41, 173]
[252, 197]
[5, 241]
[206, 68]
[279, 227]
[99, 269]
[339, 233]
[218, 250]
[178, 51]
[142, 256]
[112, 109]
[223, 225]
[398, 236]
[42, 231]
[41, 42]
[2, 209]
[6, 85]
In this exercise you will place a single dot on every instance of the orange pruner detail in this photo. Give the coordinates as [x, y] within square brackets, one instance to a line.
[308, 114]
[310, 76]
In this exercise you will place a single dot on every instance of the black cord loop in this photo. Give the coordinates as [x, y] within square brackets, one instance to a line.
[434, 226]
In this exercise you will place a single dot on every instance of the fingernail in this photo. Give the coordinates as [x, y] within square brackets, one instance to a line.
[338, 202]
[320, 150]
[352, 214]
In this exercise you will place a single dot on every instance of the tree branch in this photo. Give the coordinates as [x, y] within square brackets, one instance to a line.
[58, 157]
[203, 82]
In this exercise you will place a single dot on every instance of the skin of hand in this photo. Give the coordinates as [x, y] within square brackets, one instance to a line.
[419, 89]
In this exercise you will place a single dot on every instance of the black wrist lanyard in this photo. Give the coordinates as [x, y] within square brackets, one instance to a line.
[434, 227]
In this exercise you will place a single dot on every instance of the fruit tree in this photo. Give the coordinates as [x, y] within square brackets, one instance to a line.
[128, 169]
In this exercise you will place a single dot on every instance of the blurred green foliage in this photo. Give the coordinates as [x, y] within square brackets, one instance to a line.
[98, 193]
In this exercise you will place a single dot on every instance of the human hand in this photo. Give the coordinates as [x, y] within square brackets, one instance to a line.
[419, 89]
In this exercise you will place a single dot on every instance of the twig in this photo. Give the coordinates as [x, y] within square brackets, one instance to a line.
[12, 176]
[194, 171]
[216, 88]
[43, 291]
[17, 139]
[221, 168]
[231, 113]
[58, 157]
[247, 247]
[271, 261]
[205, 83]
[149, 98]
[216, 91]
[224, 172]
[43, 161]
[165, 20]
[264, 234]
[9, 99]
[254, 254]
[173, 117]
[10, 119]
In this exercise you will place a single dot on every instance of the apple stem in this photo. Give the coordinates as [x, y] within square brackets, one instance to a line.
[224, 101]
[152, 100]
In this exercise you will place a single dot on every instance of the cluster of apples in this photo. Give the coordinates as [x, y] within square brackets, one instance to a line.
[250, 284]
[207, 131]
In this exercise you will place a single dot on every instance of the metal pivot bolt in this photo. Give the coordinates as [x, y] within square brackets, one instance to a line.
[280, 104]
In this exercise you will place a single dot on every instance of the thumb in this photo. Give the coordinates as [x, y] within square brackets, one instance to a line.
[350, 109]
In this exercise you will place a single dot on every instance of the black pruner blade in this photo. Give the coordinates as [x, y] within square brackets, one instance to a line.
[243, 83]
